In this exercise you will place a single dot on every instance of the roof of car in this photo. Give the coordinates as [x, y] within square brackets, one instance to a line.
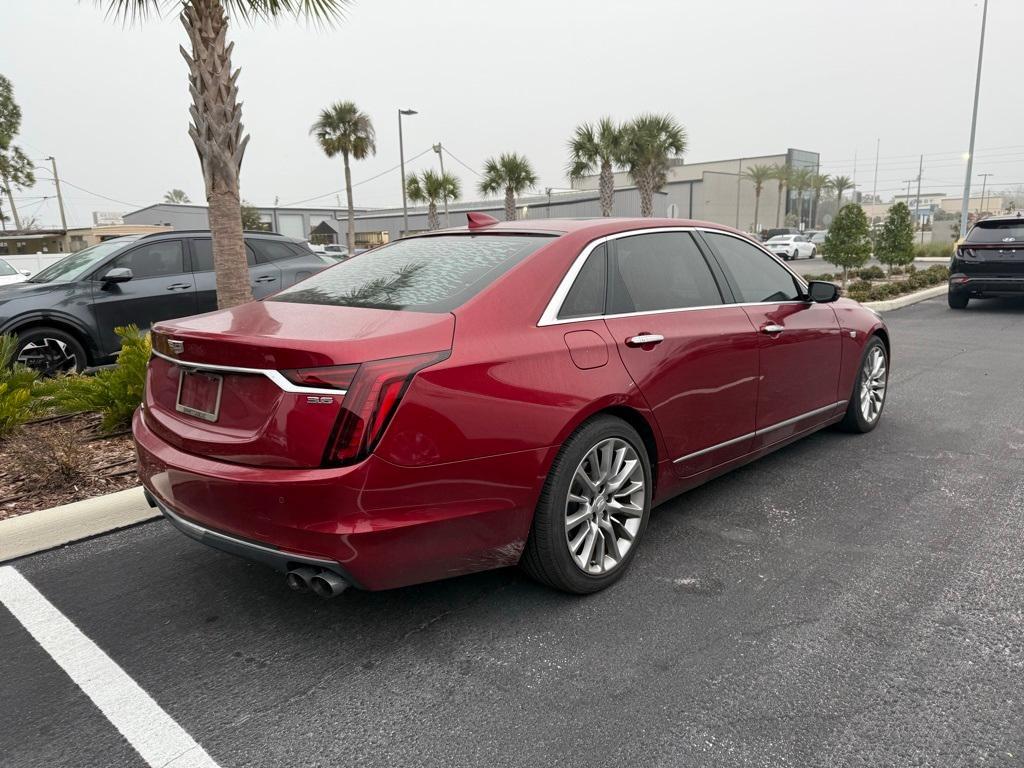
[248, 233]
[597, 226]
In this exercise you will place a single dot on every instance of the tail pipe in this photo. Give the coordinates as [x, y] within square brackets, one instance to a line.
[323, 583]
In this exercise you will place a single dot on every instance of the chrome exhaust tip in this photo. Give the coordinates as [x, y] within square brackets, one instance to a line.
[298, 579]
[327, 584]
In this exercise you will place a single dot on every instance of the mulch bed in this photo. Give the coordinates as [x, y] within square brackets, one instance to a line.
[97, 463]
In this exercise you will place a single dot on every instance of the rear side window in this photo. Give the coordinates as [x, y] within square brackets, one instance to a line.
[202, 255]
[756, 276]
[423, 274]
[268, 251]
[586, 297]
[153, 260]
[664, 270]
[997, 232]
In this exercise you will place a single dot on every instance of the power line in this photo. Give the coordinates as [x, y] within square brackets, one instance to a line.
[358, 183]
[464, 165]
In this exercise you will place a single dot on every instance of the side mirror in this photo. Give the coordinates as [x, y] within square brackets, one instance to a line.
[821, 292]
[118, 275]
[26, 272]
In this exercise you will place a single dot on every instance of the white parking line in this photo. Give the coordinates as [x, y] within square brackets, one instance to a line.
[155, 736]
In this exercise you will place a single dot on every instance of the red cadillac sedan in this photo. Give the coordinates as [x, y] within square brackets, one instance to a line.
[507, 393]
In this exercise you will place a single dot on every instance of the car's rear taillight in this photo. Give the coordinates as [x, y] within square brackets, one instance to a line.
[330, 377]
[373, 395]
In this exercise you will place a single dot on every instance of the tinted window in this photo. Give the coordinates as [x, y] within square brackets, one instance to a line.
[424, 274]
[994, 232]
[202, 255]
[6, 270]
[268, 251]
[586, 297]
[152, 260]
[660, 271]
[78, 264]
[755, 275]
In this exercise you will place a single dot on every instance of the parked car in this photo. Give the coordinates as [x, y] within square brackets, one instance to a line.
[988, 262]
[768, 234]
[791, 247]
[9, 275]
[65, 315]
[516, 392]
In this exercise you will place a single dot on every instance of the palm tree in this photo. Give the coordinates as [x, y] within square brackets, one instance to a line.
[650, 141]
[781, 174]
[597, 148]
[343, 130]
[509, 172]
[819, 183]
[840, 184]
[216, 128]
[758, 175]
[176, 196]
[800, 181]
[429, 187]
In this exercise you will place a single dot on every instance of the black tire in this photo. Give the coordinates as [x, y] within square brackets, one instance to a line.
[814, 253]
[546, 557]
[855, 420]
[957, 299]
[51, 351]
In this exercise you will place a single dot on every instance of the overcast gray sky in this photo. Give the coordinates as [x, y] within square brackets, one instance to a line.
[745, 77]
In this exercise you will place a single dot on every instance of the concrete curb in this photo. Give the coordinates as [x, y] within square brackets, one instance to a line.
[906, 301]
[36, 531]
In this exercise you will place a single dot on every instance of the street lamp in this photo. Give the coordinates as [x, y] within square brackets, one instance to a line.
[401, 159]
[974, 124]
[439, 149]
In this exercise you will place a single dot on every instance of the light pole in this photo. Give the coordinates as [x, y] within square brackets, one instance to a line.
[439, 149]
[974, 125]
[401, 160]
[984, 178]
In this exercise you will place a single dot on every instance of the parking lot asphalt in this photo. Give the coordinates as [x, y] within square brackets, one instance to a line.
[847, 601]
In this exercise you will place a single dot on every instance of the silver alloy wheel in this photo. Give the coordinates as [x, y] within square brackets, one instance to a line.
[48, 356]
[872, 384]
[605, 506]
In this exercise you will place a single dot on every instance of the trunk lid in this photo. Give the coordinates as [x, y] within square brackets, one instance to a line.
[215, 388]
[991, 260]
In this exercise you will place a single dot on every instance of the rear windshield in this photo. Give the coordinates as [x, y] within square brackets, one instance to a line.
[423, 274]
[1011, 231]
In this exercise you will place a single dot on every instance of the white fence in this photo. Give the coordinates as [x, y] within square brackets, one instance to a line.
[33, 262]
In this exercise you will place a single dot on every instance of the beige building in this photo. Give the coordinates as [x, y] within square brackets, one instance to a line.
[991, 204]
[83, 237]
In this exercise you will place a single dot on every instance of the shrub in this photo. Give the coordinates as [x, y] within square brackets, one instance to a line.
[52, 457]
[860, 285]
[16, 383]
[933, 250]
[870, 273]
[115, 393]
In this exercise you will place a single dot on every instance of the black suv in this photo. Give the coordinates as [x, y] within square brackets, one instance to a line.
[65, 315]
[989, 262]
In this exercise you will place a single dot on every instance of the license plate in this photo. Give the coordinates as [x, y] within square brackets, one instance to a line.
[199, 394]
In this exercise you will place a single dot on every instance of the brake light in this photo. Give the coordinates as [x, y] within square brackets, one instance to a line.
[373, 395]
[330, 377]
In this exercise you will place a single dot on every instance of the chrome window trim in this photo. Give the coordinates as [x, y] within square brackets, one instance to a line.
[550, 314]
[275, 376]
[762, 431]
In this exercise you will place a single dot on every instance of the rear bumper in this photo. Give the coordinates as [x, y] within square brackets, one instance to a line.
[381, 525]
[977, 285]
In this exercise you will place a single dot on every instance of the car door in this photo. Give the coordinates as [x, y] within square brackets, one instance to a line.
[161, 288]
[295, 262]
[800, 344]
[265, 279]
[693, 355]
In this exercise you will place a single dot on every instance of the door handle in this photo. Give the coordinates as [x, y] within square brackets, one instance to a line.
[772, 328]
[265, 279]
[178, 286]
[644, 340]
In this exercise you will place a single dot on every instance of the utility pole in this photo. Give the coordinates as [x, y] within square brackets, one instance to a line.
[917, 202]
[853, 189]
[60, 203]
[440, 156]
[874, 186]
[974, 125]
[984, 178]
[401, 161]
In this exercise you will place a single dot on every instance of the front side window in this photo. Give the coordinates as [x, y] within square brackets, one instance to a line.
[586, 297]
[6, 270]
[423, 274]
[662, 270]
[78, 265]
[159, 259]
[756, 276]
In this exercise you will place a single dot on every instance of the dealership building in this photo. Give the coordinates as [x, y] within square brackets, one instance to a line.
[714, 191]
